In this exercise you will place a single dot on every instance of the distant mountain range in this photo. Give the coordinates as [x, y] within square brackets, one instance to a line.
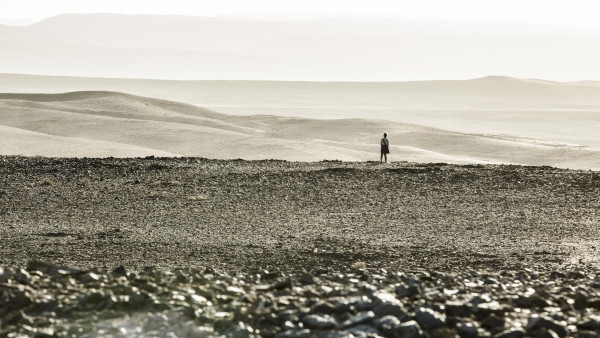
[493, 93]
[16, 22]
[180, 47]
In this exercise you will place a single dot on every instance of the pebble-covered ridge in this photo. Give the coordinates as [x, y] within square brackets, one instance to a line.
[343, 243]
[243, 216]
[45, 300]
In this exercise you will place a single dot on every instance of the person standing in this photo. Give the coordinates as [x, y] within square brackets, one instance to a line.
[385, 148]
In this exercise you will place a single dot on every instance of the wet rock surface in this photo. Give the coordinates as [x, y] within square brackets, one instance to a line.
[153, 302]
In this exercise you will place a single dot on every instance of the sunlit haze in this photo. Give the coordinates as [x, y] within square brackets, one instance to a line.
[558, 12]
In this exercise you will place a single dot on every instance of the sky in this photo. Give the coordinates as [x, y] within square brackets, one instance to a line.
[557, 12]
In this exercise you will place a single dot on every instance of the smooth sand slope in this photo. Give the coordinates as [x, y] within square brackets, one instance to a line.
[80, 124]
[554, 112]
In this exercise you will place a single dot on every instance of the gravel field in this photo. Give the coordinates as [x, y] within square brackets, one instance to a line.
[434, 241]
[45, 300]
[243, 216]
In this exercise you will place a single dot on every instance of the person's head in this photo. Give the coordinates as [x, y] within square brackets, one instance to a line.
[384, 134]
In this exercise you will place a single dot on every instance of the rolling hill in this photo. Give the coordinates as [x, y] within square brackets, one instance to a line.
[101, 123]
[546, 111]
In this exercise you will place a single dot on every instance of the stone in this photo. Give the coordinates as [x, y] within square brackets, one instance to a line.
[443, 332]
[490, 281]
[4, 275]
[363, 330]
[43, 332]
[325, 307]
[382, 297]
[119, 272]
[591, 324]
[466, 330]
[536, 322]
[94, 300]
[493, 322]
[359, 318]
[455, 308]
[39, 266]
[319, 322]
[20, 299]
[407, 291]
[62, 271]
[336, 334]
[483, 310]
[387, 309]
[511, 333]
[594, 303]
[429, 320]
[307, 278]
[408, 329]
[580, 301]
[401, 291]
[90, 277]
[531, 301]
[286, 283]
[294, 333]
[543, 333]
[182, 277]
[288, 316]
[346, 304]
[23, 277]
[587, 334]
[387, 324]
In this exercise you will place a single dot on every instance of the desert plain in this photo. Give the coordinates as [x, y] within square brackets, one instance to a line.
[129, 209]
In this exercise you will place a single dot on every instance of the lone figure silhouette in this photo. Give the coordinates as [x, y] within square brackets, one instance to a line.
[385, 148]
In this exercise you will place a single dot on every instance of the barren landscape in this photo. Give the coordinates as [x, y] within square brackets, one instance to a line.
[293, 216]
[194, 247]
[212, 169]
[105, 123]
[131, 216]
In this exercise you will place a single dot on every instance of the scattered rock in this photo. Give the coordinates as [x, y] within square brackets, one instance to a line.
[294, 333]
[430, 320]
[387, 324]
[319, 322]
[467, 330]
[360, 318]
[511, 333]
[536, 322]
[408, 329]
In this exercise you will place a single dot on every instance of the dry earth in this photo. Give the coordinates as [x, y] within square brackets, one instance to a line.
[289, 216]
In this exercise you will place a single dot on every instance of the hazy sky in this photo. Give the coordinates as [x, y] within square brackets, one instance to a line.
[562, 12]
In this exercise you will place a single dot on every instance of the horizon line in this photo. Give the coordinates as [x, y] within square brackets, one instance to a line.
[299, 81]
[318, 15]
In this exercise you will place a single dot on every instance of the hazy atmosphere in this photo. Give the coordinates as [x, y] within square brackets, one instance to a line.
[300, 168]
[512, 82]
[303, 40]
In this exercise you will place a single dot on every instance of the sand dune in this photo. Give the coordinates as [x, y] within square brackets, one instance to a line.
[98, 124]
[31, 143]
[554, 112]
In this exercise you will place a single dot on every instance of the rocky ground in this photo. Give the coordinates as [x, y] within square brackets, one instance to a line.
[45, 300]
[297, 249]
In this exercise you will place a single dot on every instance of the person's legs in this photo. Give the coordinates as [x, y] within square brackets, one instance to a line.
[385, 156]
[381, 157]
